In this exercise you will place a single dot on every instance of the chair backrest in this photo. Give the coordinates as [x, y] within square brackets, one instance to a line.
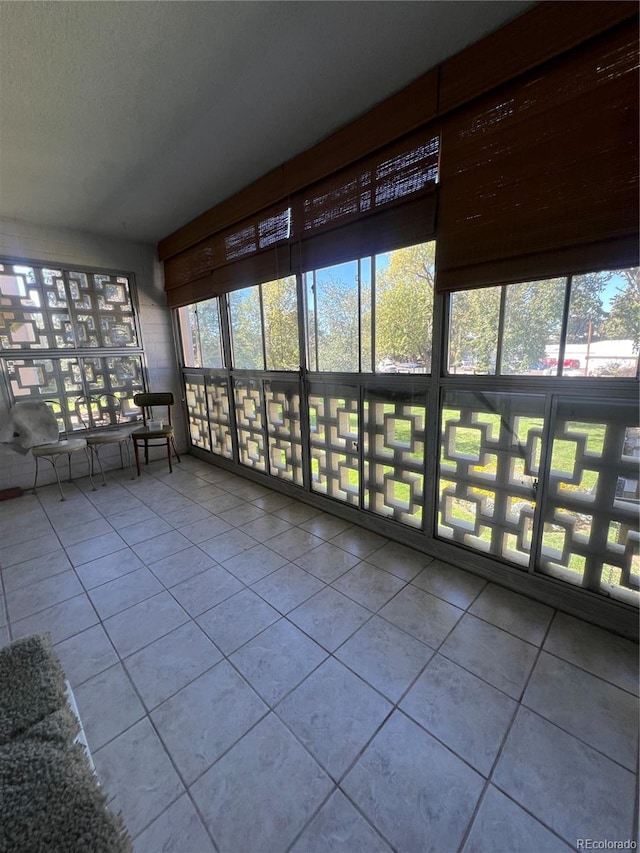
[99, 411]
[30, 423]
[147, 401]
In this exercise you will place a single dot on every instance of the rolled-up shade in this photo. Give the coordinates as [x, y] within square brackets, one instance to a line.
[383, 201]
[540, 176]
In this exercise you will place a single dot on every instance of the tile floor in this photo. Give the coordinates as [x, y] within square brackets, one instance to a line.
[255, 675]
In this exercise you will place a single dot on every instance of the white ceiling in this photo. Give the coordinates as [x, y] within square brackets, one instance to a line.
[131, 118]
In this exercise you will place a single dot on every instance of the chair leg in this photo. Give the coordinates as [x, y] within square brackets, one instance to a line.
[146, 452]
[55, 468]
[169, 455]
[129, 466]
[90, 467]
[96, 450]
[175, 449]
[137, 455]
[35, 482]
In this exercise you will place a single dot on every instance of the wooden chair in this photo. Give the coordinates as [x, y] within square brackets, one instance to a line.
[157, 430]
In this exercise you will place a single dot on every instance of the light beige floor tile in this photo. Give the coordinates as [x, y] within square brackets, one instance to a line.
[369, 586]
[123, 592]
[329, 617]
[277, 660]
[287, 587]
[177, 828]
[413, 808]
[206, 717]
[236, 620]
[514, 613]
[463, 712]
[502, 825]
[385, 657]
[137, 776]
[540, 767]
[446, 581]
[425, 617]
[333, 713]
[206, 589]
[165, 666]
[495, 656]
[243, 808]
[340, 828]
[599, 652]
[593, 710]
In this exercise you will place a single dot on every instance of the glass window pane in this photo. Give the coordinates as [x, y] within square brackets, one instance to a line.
[332, 295]
[188, 319]
[246, 329]
[404, 309]
[210, 338]
[280, 306]
[365, 315]
[473, 330]
[603, 333]
[532, 326]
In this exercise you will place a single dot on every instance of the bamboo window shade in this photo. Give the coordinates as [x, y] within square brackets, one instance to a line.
[540, 177]
[361, 209]
[525, 169]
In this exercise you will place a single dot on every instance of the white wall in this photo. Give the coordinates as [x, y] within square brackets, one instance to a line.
[60, 246]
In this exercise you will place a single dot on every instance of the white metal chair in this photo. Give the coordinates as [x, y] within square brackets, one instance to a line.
[101, 416]
[52, 450]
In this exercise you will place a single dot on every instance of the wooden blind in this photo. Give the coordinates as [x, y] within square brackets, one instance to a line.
[537, 138]
[384, 201]
[540, 177]
[359, 210]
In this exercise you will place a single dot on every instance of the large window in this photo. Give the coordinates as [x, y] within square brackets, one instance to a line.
[372, 314]
[66, 333]
[540, 475]
[583, 325]
[201, 337]
[264, 326]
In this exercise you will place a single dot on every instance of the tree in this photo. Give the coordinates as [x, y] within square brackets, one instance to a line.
[280, 306]
[246, 329]
[533, 316]
[404, 305]
[586, 313]
[209, 328]
[336, 304]
[623, 322]
[473, 330]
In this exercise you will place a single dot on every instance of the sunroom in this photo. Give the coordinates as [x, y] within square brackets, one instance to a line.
[387, 597]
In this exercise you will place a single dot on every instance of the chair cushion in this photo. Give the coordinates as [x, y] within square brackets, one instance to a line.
[70, 445]
[107, 438]
[145, 432]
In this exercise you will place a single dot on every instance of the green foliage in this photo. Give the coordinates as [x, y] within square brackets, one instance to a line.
[623, 322]
[586, 314]
[209, 327]
[473, 332]
[337, 344]
[246, 329]
[404, 305]
[533, 316]
[280, 306]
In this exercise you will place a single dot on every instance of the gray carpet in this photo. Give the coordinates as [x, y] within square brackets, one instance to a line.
[50, 801]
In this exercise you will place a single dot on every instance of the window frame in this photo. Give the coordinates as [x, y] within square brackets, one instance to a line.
[80, 354]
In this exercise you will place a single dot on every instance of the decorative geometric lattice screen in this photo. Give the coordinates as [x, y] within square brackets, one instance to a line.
[489, 465]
